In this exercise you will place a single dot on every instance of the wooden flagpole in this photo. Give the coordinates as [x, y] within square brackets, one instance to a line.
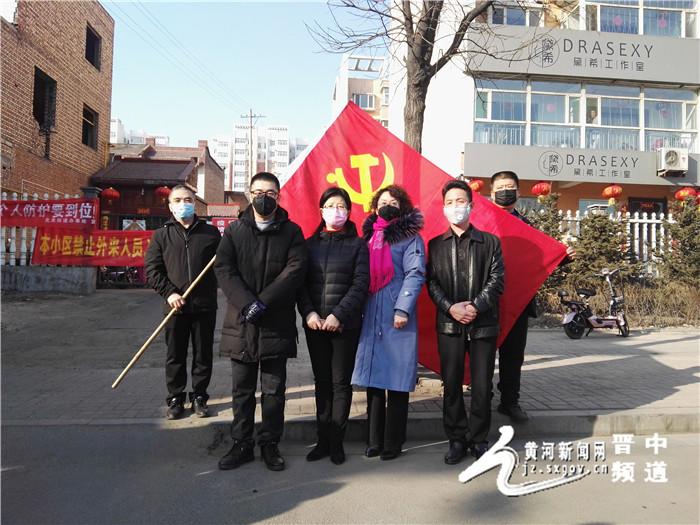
[157, 331]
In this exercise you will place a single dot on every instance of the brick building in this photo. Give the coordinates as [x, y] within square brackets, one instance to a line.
[137, 170]
[56, 90]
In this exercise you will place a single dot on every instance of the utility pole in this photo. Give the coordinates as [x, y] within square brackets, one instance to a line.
[251, 162]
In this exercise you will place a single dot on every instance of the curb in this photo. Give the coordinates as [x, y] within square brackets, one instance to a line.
[428, 425]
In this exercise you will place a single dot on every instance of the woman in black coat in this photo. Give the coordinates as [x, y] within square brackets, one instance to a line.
[331, 304]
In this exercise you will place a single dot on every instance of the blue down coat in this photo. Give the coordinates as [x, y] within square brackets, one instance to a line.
[386, 357]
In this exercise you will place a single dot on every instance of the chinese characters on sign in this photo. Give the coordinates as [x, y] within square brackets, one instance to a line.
[95, 248]
[64, 213]
[222, 222]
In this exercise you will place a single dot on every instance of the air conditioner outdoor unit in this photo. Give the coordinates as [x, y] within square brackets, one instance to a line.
[672, 161]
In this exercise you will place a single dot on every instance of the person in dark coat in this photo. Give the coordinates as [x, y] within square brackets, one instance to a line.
[176, 255]
[331, 305]
[260, 265]
[465, 281]
[511, 354]
[387, 356]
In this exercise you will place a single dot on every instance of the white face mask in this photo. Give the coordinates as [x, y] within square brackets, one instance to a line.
[334, 218]
[457, 214]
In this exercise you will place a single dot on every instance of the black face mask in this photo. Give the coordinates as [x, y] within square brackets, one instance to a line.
[388, 212]
[264, 205]
[506, 197]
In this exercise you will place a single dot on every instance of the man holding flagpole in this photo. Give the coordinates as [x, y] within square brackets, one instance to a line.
[177, 254]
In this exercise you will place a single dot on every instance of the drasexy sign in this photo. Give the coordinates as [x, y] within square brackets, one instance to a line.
[585, 54]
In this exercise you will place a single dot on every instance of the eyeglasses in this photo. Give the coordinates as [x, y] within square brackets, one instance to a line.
[337, 207]
[269, 193]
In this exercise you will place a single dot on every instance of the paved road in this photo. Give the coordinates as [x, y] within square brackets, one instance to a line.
[140, 474]
[60, 354]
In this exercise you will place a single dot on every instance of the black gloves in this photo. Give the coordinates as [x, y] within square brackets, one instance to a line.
[253, 312]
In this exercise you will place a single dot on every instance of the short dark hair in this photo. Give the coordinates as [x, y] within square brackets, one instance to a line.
[505, 175]
[266, 176]
[457, 184]
[335, 192]
[396, 191]
[181, 187]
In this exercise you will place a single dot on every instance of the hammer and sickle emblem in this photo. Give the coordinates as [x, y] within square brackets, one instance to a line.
[363, 164]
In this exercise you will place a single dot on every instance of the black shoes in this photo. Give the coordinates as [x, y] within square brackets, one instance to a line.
[239, 454]
[320, 451]
[456, 452]
[176, 408]
[373, 451]
[338, 454]
[272, 457]
[514, 412]
[388, 455]
[199, 407]
[479, 449]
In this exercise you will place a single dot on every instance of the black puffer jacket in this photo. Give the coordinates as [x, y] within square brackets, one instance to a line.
[269, 266]
[484, 286]
[176, 256]
[337, 280]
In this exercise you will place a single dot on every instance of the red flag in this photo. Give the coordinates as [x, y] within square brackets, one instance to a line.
[358, 154]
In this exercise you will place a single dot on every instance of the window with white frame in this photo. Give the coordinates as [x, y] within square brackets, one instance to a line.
[559, 114]
[674, 18]
[364, 100]
[534, 14]
[385, 96]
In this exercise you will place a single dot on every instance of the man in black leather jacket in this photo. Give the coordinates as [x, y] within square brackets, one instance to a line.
[465, 281]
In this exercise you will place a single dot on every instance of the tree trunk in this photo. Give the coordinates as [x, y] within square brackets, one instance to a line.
[417, 82]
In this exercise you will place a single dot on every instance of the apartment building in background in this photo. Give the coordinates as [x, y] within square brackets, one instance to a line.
[363, 80]
[605, 92]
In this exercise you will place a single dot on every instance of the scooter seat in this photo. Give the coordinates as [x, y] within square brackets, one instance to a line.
[585, 292]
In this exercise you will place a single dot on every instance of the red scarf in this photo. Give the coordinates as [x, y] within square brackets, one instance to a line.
[381, 267]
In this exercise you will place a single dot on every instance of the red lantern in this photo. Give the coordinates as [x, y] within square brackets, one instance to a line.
[110, 194]
[612, 192]
[541, 189]
[683, 193]
[162, 193]
[476, 185]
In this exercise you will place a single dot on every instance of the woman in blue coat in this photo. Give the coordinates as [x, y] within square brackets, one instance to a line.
[387, 355]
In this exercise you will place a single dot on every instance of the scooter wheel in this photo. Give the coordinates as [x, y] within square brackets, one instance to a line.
[625, 328]
[575, 328]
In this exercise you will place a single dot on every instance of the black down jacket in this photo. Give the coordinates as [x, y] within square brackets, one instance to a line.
[176, 256]
[337, 280]
[267, 265]
[484, 272]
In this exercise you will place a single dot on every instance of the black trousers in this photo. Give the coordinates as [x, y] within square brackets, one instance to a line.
[482, 361]
[387, 415]
[273, 377]
[199, 328]
[511, 355]
[332, 360]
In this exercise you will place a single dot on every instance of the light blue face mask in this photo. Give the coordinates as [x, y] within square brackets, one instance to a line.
[183, 210]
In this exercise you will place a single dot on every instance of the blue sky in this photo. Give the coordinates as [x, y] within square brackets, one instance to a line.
[260, 56]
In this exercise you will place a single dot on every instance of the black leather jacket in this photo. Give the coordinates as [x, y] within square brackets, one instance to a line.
[484, 273]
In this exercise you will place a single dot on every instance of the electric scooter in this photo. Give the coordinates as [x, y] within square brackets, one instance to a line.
[580, 316]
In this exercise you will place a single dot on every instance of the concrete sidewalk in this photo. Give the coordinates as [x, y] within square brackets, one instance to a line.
[60, 355]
